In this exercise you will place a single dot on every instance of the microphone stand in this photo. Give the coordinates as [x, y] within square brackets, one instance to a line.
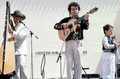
[85, 72]
[75, 34]
[59, 57]
[31, 33]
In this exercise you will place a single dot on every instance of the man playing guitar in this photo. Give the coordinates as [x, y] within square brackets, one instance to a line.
[74, 43]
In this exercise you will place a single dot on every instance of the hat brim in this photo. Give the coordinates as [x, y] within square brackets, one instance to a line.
[21, 16]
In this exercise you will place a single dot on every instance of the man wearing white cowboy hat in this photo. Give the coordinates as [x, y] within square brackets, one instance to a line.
[20, 36]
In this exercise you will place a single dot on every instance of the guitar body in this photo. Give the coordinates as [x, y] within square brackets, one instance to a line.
[62, 33]
[9, 63]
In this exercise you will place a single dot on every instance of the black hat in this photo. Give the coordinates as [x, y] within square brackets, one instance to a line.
[19, 14]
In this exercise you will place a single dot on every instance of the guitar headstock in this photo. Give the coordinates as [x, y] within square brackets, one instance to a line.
[92, 10]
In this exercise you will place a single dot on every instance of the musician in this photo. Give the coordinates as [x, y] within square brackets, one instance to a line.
[109, 51]
[20, 36]
[74, 45]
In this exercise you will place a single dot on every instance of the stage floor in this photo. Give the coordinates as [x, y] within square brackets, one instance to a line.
[66, 78]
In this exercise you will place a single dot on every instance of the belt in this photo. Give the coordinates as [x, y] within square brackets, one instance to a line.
[107, 50]
[77, 38]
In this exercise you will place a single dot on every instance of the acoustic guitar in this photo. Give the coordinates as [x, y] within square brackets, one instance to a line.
[68, 32]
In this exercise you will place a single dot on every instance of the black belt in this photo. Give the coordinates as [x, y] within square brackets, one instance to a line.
[107, 50]
[77, 38]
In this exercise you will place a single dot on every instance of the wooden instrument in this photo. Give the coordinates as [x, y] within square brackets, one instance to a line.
[7, 57]
[69, 31]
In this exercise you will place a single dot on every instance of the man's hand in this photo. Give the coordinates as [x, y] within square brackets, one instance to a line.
[86, 16]
[65, 25]
[11, 39]
[118, 45]
[113, 41]
[10, 29]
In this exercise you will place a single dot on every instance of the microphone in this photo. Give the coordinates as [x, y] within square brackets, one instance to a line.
[113, 38]
[22, 22]
[71, 15]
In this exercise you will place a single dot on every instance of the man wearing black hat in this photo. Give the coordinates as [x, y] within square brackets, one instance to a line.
[20, 36]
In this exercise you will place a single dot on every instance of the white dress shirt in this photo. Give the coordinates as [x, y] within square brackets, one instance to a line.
[20, 34]
[106, 44]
